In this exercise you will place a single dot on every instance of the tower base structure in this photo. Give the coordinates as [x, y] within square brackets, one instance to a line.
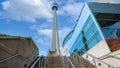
[53, 53]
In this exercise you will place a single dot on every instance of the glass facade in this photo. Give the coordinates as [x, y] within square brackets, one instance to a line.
[110, 24]
[68, 37]
[87, 38]
[112, 31]
[90, 30]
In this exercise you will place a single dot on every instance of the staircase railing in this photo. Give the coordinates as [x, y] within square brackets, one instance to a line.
[114, 57]
[109, 66]
[70, 62]
[62, 59]
[111, 56]
[9, 58]
[44, 62]
[35, 62]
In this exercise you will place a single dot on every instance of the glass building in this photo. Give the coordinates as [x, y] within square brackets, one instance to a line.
[97, 31]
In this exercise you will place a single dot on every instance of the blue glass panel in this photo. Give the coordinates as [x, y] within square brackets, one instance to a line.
[67, 38]
[80, 36]
[92, 41]
[112, 31]
[80, 45]
[89, 36]
[94, 27]
[87, 24]
[98, 36]
[89, 33]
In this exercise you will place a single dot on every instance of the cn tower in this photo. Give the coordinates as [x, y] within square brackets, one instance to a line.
[55, 50]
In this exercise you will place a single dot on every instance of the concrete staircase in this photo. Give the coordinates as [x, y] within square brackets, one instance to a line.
[54, 62]
[62, 62]
[80, 62]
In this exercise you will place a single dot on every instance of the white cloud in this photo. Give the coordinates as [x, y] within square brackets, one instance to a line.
[107, 1]
[45, 32]
[30, 10]
[47, 35]
[71, 9]
[44, 41]
[6, 5]
[38, 26]
[44, 37]
[27, 10]
[44, 53]
[62, 33]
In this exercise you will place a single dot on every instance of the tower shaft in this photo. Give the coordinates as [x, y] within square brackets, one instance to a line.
[55, 50]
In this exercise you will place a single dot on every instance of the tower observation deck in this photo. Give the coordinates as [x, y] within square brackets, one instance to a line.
[55, 50]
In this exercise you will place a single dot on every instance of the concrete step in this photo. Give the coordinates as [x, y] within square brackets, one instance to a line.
[61, 62]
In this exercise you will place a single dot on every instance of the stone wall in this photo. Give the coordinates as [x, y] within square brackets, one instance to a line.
[17, 52]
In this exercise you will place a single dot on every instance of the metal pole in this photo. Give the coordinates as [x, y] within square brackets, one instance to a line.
[94, 62]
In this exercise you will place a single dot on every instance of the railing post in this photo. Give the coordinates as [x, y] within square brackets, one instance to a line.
[33, 65]
[66, 64]
[70, 62]
[40, 61]
[82, 61]
[108, 66]
[44, 62]
[39, 64]
[94, 62]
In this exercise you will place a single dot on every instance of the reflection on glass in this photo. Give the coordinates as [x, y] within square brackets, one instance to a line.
[87, 38]
[112, 31]
[84, 41]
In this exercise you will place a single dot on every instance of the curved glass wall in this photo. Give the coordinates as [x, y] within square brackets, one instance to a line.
[87, 38]
[67, 38]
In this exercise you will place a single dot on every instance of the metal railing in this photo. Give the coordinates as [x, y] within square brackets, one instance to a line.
[9, 58]
[62, 59]
[111, 56]
[42, 62]
[70, 62]
[115, 57]
[44, 59]
[95, 58]
[33, 65]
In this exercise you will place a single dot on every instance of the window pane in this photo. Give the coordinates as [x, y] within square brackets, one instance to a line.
[80, 44]
[94, 27]
[98, 37]
[80, 35]
[89, 33]
[87, 24]
[92, 42]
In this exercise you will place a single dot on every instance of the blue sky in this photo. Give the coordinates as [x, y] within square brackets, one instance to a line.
[33, 18]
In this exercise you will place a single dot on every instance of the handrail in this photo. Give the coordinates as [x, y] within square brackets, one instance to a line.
[8, 58]
[70, 62]
[111, 56]
[32, 66]
[114, 57]
[99, 59]
[44, 62]
[62, 59]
